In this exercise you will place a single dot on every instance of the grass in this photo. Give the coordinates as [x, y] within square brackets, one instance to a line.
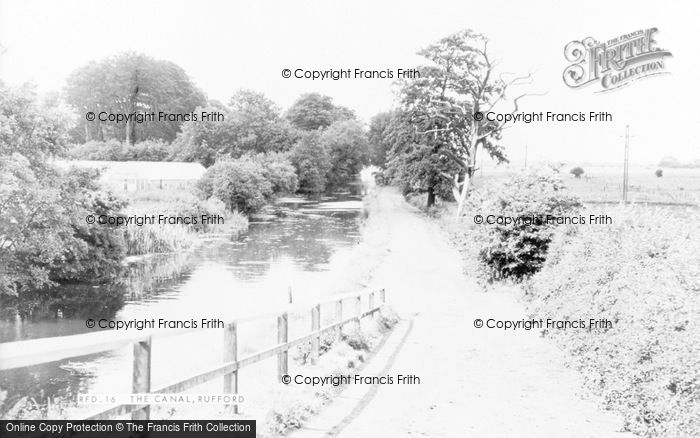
[153, 239]
[640, 272]
[156, 238]
[295, 404]
[600, 184]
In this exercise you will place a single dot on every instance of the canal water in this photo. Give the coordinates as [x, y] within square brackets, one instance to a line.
[301, 247]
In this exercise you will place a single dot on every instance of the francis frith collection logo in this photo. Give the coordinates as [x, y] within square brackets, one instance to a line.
[614, 63]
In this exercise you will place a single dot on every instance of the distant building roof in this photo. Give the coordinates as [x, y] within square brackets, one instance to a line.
[140, 170]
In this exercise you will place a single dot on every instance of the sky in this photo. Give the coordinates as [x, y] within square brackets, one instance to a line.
[227, 45]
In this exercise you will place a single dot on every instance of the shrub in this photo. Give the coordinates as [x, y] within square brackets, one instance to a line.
[147, 150]
[517, 250]
[111, 150]
[278, 170]
[659, 173]
[643, 274]
[240, 184]
[114, 150]
[577, 172]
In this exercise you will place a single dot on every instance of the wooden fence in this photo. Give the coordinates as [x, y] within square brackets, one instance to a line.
[38, 351]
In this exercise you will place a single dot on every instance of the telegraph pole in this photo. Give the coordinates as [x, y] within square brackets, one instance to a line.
[626, 170]
[525, 156]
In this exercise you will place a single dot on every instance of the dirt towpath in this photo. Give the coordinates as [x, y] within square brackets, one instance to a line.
[473, 382]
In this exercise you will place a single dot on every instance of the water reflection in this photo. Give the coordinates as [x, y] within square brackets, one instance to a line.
[223, 277]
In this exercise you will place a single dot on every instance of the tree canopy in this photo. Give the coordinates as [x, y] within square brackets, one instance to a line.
[252, 124]
[448, 101]
[313, 111]
[128, 83]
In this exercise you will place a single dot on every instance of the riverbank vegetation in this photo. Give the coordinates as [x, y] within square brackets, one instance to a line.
[295, 404]
[253, 150]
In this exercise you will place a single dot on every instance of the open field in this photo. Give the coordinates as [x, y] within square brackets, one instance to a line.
[604, 184]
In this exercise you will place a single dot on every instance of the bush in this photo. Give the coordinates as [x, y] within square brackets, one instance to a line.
[659, 173]
[518, 250]
[250, 182]
[114, 150]
[643, 274]
[278, 170]
[577, 172]
[111, 150]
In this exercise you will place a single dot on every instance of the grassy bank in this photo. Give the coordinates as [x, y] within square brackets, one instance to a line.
[163, 238]
[294, 404]
[641, 273]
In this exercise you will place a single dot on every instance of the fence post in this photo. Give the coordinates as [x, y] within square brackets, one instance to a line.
[382, 299]
[358, 310]
[371, 304]
[339, 313]
[231, 355]
[141, 382]
[315, 327]
[282, 338]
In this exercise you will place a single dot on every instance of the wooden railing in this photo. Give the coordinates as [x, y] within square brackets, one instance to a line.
[38, 351]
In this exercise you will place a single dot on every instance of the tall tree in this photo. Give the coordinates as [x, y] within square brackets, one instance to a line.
[312, 111]
[252, 124]
[379, 137]
[413, 160]
[128, 83]
[44, 237]
[31, 128]
[450, 99]
[311, 162]
[348, 150]
[257, 124]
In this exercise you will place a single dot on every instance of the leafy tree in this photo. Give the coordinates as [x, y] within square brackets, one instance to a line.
[252, 124]
[32, 229]
[128, 83]
[43, 234]
[258, 125]
[204, 142]
[448, 101]
[414, 162]
[577, 172]
[35, 130]
[92, 252]
[378, 137]
[311, 162]
[312, 111]
[348, 150]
